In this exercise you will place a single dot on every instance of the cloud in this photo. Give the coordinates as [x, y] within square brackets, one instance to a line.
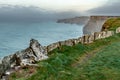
[16, 13]
[110, 8]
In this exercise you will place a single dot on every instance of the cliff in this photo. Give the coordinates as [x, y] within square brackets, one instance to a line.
[96, 23]
[77, 20]
[92, 23]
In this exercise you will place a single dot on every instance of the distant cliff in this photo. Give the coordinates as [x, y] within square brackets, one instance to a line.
[92, 23]
[77, 20]
[95, 24]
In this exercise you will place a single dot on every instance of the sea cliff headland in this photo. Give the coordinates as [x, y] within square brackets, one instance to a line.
[77, 20]
[92, 23]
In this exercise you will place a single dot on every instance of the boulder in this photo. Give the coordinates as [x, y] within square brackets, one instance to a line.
[53, 46]
[109, 33]
[34, 53]
[97, 35]
[118, 30]
[75, 41]
[85, 39]
[62, 43]
[80, 39]
[90, 38]
[69, 42]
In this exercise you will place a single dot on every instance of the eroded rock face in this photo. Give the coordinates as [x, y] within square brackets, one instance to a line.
[35, 52]
[95, 24]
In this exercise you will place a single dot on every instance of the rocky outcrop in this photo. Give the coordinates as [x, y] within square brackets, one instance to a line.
[34, 53]
[77, 20]
[95, 24]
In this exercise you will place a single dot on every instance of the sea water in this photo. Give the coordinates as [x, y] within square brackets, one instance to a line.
[16, 36]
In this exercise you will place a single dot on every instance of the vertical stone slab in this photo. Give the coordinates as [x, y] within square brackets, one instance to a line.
[52, 46]
[85, 39]
[90, 38]
[109, 33]
[76, 41]
[97, 35]
[118, 30]
[69, 42]
[103, 35]
[61, 43]
[79, 39]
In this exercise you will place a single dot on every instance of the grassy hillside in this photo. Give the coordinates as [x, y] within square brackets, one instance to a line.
[97, 61]
[111, 24]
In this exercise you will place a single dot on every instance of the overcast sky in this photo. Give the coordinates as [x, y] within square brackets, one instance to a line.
[57, 5]
[110, 8]
[40, 10]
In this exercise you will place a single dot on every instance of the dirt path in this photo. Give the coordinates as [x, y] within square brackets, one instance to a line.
[84, 58]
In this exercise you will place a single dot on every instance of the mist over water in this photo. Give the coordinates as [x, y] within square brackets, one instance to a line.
[16, 36]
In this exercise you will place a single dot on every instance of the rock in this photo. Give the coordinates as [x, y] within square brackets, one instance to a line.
[53, 46]
[97, 35]
[0, 61]
[69, 42]
[95, 24]
[109, 33]
[62, 43]
[34, 53]
[76, 41]
[38, 50]
[85, 39]
[118, 30]
[90, 38]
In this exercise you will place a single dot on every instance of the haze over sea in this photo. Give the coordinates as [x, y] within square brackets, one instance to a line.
[16, 36]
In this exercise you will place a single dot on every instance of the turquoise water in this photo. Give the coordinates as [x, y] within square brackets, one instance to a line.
[16, 36]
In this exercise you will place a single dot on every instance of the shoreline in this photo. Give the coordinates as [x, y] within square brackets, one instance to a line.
[36, 52]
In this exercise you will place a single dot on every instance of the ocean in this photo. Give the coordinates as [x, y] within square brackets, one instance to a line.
[16, 36]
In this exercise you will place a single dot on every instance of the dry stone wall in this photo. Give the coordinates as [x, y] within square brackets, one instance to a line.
[86, 39]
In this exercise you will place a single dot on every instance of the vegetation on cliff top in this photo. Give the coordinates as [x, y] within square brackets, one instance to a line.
[111, 24]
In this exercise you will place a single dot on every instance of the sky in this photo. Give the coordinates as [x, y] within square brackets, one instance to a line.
[57, 5]
[43, 10]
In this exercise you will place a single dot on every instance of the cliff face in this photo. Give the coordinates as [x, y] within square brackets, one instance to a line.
[77, 20]
[92, 23]
[95, 24]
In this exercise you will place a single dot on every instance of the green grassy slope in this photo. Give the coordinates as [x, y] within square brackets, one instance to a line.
[101, 63]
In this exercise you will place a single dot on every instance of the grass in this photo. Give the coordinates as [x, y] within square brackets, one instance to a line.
[111, 24]
[104, 65]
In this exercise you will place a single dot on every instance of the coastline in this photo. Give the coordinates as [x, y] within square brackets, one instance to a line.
[86, 39]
